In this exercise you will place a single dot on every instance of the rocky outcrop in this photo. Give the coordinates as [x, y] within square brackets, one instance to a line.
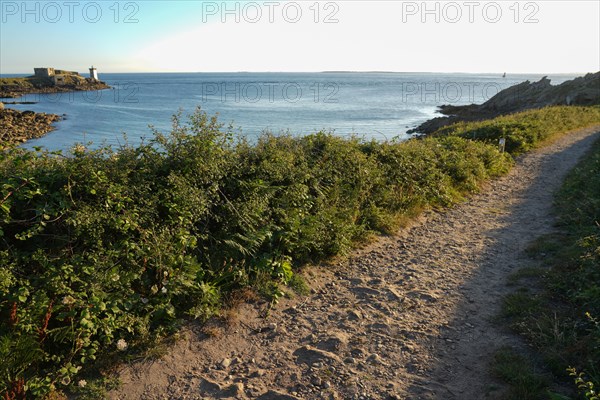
[20, 126]
[582, 91]
[17, 87]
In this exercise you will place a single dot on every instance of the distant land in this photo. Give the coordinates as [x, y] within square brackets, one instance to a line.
[20, 126]
[49, 80]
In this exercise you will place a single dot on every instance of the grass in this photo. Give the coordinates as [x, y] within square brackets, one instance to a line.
[561, 320]
[526, 130]
[519, 372]
[526, 273]
[520, 304]
[23, 82]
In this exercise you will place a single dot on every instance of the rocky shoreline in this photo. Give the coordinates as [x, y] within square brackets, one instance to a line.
[20, 126]
[582, 91]
[18, 90]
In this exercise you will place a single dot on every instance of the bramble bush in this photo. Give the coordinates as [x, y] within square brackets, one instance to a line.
[102, 252]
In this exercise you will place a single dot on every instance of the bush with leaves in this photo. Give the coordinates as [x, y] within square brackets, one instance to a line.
[525, 130]
[102, 252]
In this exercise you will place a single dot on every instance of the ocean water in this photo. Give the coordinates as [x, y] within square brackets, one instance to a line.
[371, 105]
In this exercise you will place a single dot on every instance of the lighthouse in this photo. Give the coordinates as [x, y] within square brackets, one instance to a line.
[93, 73]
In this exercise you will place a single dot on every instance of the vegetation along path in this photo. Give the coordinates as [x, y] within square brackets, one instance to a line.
[408, 317]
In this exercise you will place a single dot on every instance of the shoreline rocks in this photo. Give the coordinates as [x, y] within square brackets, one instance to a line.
[20, 126]
[582, 91]
[14, 91]
[17, 87]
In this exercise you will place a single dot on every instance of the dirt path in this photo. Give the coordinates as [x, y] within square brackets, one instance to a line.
[409, 317]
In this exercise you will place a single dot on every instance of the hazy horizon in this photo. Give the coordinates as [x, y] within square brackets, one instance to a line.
[522, 37]
[82, 71]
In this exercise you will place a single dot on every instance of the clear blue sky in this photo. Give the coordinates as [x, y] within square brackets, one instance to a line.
[525, 36]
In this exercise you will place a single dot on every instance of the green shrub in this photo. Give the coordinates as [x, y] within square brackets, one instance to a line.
[526, 130]
[102, 252]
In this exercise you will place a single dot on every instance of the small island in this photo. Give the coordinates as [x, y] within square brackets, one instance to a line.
[50, 80]
[20, 126]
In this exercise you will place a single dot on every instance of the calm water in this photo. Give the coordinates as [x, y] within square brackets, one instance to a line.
[380, 105]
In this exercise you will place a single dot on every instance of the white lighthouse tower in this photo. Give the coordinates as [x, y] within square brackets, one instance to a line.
[93, 73]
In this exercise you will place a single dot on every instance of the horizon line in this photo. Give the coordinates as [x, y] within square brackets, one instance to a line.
[331, 71]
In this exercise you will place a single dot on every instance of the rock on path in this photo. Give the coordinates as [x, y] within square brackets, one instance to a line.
[407, 317]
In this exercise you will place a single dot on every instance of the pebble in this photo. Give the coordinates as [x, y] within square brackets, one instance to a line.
[258, 373]
[272, 326]
[354, 315]
[374, 359]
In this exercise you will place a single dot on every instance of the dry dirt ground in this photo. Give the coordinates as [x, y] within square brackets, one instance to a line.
[409, 317]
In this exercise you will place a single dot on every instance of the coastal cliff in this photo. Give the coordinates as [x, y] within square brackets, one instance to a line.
[583, 91]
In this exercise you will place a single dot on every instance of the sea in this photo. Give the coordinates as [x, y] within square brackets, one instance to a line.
[370, 105]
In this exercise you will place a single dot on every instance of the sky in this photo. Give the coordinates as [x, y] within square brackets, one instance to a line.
[550, 36]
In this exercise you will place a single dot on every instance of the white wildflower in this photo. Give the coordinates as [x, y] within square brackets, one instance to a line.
[79, 148]
[164, 290]
[82, 383]
[122, 345]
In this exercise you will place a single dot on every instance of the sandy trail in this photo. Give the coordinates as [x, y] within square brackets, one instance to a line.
[408, 317]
